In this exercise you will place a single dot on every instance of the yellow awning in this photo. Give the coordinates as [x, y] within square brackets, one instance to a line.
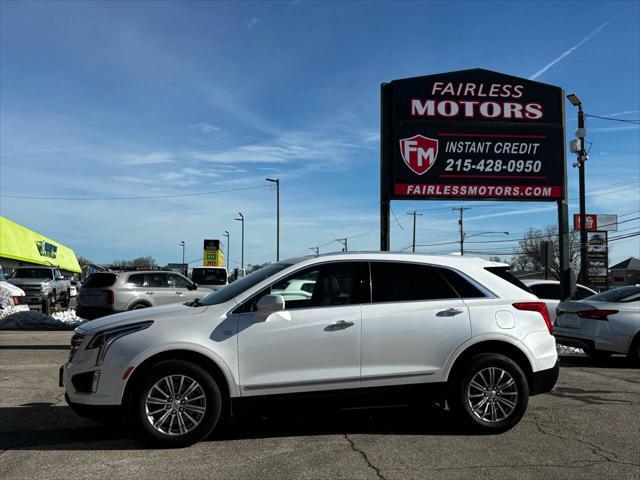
[20, 243]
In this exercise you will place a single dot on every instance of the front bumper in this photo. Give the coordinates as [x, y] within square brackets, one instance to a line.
[544, 380]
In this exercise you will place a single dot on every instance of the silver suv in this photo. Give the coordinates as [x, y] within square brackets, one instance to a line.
[105, 293]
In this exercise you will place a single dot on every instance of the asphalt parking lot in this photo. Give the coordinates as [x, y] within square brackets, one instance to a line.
[588, 428]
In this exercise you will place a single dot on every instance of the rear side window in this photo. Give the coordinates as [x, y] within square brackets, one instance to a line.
[157, 280]
[136, 280]
[546, 290]
[503, 273]
[100, 280]
[461, 285]
[404, 282]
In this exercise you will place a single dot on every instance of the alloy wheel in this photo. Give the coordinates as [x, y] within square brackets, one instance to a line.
[492, 394]
[175, 405]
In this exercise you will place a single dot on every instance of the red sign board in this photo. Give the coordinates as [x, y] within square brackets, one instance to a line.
[590, 222]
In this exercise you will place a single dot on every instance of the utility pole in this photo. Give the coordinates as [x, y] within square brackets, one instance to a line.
[226, 234]
[277, 182]
[577, 147]
[315, 250]
[343, 241]
[241, 219]
[461, 210]
[413, 243]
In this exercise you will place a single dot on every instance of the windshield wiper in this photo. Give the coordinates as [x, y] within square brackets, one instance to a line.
[195, 303]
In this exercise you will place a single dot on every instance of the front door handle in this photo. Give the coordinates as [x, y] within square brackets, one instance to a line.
[339, 325]
[179, 293]
[149, 293]
[449, 312]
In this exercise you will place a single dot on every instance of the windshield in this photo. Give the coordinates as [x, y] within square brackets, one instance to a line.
[32, 273]
[236, 288]
[209, 276]
[622, 294]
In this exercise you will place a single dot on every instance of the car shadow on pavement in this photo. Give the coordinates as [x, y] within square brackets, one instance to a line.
[63, 430]
[582, 361]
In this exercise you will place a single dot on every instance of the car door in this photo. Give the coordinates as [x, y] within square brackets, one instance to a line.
[314, 344]
[159, 289]
[415, 322]
[181, 288]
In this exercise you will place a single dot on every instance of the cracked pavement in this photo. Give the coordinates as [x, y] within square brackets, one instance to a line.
[588, 428]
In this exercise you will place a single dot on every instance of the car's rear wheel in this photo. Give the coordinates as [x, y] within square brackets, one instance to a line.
[491, 393]
[176, 404]
[138, 306]
[634, 351]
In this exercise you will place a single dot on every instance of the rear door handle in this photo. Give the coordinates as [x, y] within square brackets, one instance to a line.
[449, 312]
[179, 293]
[339, 325]
[149, 293]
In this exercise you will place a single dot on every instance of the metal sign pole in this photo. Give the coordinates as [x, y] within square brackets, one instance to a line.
[563, 225]
[386, 142]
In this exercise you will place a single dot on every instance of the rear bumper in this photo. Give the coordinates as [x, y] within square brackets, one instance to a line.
[544, 380]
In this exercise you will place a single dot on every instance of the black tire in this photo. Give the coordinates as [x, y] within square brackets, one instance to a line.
[140, 421]
[138, 306]
[461, 388]
[46, 306]
[598, 355]
[66, 299]
[633, 355]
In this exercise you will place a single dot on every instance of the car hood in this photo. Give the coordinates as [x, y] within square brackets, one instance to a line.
[28, 281]
[13, 290]
[172, 312]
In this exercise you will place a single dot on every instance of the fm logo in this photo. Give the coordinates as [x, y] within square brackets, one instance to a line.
[419, 153]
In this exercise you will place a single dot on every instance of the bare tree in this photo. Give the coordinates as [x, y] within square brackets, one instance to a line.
[528, 256]
[147, 261]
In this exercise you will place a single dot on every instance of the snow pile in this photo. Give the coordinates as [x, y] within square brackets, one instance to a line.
[564, 350]
[33, 320]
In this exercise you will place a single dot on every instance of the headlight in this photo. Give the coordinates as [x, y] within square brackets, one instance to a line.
[45, 287]
[103, 340]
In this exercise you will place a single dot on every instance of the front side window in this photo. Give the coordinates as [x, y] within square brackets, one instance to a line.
[404, 282]
[323, 285]
[179, 281]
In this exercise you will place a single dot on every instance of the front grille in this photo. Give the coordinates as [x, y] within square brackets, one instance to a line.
[31, 290]
[76, 340]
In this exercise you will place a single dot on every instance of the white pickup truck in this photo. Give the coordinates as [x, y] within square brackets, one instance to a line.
[44, 286]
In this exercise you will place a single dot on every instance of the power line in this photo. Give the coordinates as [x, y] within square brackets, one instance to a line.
[84, 199]
[602, 117]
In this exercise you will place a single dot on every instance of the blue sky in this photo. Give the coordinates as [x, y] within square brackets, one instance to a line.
[124, 99]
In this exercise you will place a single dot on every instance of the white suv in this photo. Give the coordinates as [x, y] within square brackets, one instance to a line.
[459, 328]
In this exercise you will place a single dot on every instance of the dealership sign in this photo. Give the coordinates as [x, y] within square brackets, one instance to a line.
[593, 223]
[473, 134]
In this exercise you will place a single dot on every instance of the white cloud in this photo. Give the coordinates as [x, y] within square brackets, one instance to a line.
[570, 51]
[253, 22]
[148, 158]
[205, 127]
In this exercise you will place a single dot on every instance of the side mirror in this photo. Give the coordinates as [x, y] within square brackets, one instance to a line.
[266, 306]
[59, 277]
[192, 286]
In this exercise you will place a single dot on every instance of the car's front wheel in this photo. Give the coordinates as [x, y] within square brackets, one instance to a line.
[176, 404]
[491, 393]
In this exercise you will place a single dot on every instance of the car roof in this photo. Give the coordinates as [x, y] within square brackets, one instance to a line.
[444, 260]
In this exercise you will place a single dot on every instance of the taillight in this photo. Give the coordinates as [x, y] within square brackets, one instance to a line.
[539, 307]
[596, 314]
[111, 297]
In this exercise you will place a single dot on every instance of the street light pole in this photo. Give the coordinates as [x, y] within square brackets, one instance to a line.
[241, 219]
[226, 234]
[182, 244]
[413, 243]
[277, 182]
[581, 153]
[461, 209]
